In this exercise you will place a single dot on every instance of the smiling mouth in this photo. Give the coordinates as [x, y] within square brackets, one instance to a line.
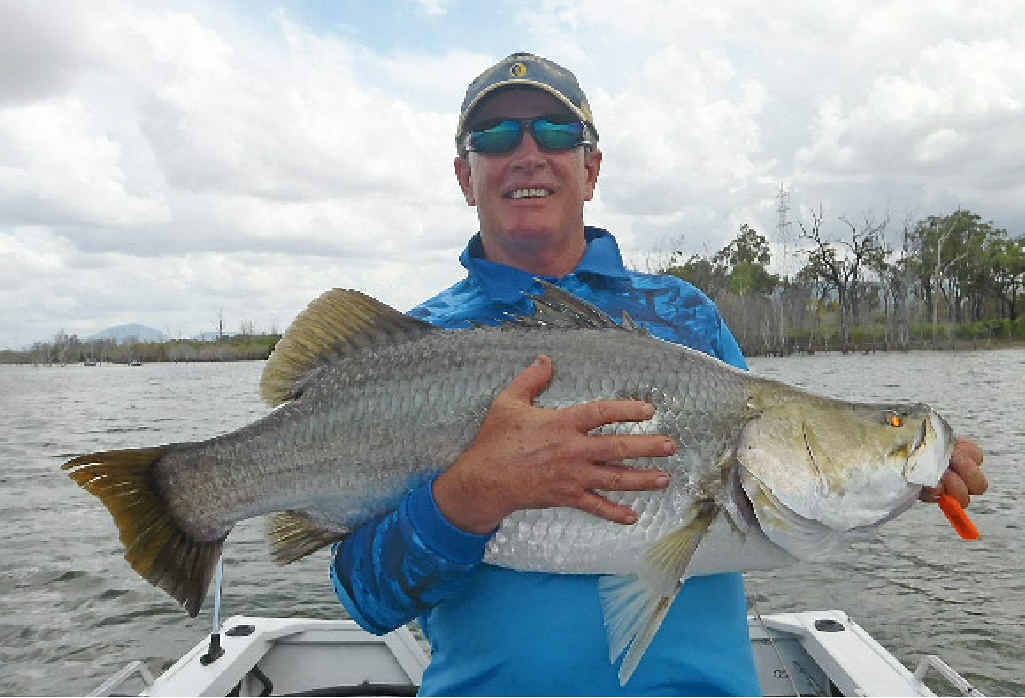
[529, 193]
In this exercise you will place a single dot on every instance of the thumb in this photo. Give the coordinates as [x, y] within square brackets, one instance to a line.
[531, 381]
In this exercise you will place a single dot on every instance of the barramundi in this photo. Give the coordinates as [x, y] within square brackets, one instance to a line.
[370, 402]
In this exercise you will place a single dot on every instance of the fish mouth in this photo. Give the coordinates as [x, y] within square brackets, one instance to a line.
[930, 452]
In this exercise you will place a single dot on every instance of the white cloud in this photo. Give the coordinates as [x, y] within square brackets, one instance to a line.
[685, 133]
[60, 166]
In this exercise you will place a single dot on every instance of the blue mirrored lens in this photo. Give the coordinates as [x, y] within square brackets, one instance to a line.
[505, 136]
[554, 136]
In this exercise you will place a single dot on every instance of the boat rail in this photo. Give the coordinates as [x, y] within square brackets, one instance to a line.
[932, 661]
[807, 653]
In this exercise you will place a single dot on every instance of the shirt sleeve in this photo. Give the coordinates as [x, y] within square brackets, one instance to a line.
[397, 566]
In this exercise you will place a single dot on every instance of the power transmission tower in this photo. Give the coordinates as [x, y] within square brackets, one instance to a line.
[783, 228]
[783, 235]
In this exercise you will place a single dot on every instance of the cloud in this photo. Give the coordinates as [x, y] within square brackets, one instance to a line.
[434, 7]
[159, 161]
[41, 52]
[61, 167]
[685, 114]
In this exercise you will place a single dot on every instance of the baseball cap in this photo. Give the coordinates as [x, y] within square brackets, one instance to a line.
[528, 70]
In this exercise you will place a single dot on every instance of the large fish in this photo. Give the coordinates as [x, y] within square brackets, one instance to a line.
[372, 402]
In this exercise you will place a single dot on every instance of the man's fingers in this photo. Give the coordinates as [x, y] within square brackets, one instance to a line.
[974, 479]
[952, 484]
[620, 447]
[621, 479]
[592, 415]
[610, 511]
[969, 450]
[531, 381]
[963, 478]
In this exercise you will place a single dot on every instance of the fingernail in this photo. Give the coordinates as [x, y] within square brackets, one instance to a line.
[670, 447]
[662, 481]
[649, 410]
[631, 518]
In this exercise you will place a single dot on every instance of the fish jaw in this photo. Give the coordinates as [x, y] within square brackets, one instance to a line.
[928, 461]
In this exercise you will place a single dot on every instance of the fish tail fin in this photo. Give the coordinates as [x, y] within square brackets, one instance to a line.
[156, 548]
[634, 606]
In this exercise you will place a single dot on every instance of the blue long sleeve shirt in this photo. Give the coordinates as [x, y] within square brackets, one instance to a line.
[496, 631]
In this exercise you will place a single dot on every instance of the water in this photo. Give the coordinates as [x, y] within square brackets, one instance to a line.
[72, 612]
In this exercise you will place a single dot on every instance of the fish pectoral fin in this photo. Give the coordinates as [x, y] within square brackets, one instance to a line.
[634, 606]
[337, 323]
[295, 534]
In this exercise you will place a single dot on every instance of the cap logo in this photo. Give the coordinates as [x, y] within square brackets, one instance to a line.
[518, 70]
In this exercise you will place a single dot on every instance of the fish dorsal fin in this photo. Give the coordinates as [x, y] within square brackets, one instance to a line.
[560, 308]
[634, 606]
[295, 534]
[340, 321]
[629, 324]
[556, 307]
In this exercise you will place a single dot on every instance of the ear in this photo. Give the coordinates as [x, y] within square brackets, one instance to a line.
[462, 169]
[592, 163]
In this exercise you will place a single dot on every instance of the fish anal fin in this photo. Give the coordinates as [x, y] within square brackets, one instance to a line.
[155, 545]
[634, 606]
[335, 324]
[295, 534]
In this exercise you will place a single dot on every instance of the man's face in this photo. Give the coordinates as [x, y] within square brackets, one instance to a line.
[551, 216]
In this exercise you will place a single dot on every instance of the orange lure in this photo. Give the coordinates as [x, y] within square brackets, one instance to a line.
[958, 518]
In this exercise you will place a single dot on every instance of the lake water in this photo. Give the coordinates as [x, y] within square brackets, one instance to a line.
[72, 612]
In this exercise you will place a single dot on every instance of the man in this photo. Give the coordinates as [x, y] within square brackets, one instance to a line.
[528, 160]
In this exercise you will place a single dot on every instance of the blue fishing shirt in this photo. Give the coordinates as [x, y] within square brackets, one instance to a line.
[497, 631]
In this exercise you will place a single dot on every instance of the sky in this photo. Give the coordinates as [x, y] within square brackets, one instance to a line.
[177, 163]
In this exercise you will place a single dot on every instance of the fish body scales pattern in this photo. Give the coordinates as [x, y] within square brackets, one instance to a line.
[367, 427]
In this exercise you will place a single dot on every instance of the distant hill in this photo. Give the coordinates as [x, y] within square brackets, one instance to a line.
[120, 333]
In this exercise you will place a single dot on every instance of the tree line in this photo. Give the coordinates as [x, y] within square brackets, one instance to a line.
[69, 349]
[937, 282]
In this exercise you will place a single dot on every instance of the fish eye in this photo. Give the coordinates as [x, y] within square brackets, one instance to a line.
[894, 420]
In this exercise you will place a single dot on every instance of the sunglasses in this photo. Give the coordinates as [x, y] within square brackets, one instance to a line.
[552, 134]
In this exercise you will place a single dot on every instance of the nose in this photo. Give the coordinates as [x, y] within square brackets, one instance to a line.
[528, 154]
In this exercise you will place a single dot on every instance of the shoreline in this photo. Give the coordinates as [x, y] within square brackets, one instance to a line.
[955, 346]
[952, 346]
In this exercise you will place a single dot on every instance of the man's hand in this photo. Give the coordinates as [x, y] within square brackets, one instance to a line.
[527, 457]
[963, 478]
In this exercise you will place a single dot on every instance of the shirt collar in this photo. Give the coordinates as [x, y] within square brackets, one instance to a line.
[507, 284]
